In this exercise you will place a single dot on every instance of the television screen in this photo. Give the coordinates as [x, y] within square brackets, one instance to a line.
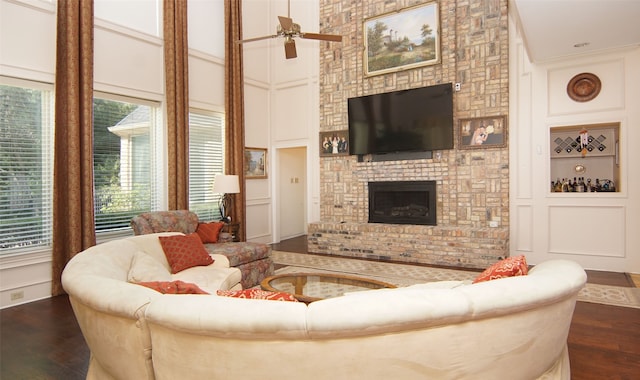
[419, 119]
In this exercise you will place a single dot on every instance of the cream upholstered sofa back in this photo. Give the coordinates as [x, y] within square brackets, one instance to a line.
[512, 328]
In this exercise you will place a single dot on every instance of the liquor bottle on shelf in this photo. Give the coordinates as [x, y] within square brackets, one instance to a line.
[558, 186]
[565, 185]
[589, 187]
[580, 186]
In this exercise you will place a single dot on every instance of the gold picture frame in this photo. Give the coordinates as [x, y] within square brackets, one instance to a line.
[255, 163]
[482, 132]
[334, 143]
[402, 40]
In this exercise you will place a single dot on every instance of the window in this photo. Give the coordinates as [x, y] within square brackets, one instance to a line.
[26, 144]
[125, 162]
[206, 152]
[128, 169]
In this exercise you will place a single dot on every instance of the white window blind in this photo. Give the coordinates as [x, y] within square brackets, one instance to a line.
[26, 144]
[124, 161]
[206, 153]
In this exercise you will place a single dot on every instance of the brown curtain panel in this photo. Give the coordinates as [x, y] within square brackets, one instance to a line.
[234, 107]
[73, 215]
[176, 59]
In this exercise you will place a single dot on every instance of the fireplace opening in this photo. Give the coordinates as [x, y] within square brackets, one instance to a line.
[402, 202]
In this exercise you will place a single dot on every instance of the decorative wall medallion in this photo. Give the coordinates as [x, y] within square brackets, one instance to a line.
[584, 87]
[580, 169]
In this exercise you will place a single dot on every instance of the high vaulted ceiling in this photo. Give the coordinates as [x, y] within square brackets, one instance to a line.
[554, 29]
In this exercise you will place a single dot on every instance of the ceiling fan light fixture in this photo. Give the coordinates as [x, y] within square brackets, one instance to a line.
[290, 48]
[289, 30]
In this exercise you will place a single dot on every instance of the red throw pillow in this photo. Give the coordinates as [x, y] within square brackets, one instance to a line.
[511, 266]
[184, 251]
[173, 287]
[257, 294]
[209, 232]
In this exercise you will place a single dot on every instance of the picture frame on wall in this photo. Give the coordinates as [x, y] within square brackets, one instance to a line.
[255, 163]
[402, 40]
[482, 132]
[334, 143]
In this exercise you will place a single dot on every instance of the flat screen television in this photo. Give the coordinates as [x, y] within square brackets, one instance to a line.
[419, 119]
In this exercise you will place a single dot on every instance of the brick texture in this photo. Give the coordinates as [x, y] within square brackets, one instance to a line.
[472, 185]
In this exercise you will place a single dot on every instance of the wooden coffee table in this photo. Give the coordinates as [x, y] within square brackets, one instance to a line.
[309, 287]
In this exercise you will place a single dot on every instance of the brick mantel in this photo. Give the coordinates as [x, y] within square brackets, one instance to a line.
[447, 246]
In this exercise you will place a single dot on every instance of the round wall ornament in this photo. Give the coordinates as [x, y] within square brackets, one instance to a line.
[584, 87]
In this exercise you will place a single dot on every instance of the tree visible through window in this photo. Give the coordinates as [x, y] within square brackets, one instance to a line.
[25, 167]
[124, 174]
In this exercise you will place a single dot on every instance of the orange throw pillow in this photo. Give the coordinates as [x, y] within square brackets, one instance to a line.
[184, 252]
[511, 266]
[173, 287]
[257, 294]
[209, 232]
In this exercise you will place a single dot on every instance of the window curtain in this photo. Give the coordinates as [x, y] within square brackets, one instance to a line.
[73, 213]
[234, 107]
[176, 58]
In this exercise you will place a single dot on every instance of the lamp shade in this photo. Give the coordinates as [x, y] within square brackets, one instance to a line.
[226, 184]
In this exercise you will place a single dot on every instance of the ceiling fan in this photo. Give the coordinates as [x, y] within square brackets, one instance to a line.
[290, 30]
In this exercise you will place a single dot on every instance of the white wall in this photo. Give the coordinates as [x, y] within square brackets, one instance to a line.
[598, 230]
[281, 108]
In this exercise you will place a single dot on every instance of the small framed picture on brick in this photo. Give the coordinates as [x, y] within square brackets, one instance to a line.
[334, 143]
[482, 132]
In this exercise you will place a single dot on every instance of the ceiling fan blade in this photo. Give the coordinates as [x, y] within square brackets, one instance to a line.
[285, 22]
[256, 39]
[323, 37]
[290, 48]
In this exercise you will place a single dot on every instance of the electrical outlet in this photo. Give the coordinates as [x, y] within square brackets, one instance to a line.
[17, 295]
[458, 86]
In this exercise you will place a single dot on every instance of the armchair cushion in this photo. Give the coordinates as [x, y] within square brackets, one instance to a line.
[209, 232]
[511, 266]
[257, 294]
[184, 252]
[173, 287]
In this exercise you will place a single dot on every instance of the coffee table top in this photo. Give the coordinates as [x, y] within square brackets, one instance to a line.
[309, 287]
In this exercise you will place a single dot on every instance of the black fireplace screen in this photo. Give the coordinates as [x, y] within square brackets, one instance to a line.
[402, 202]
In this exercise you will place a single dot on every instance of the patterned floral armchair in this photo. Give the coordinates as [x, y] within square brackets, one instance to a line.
[183, 221]
[253, 259]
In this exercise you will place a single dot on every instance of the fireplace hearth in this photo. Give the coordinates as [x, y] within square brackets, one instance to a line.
[402, 202]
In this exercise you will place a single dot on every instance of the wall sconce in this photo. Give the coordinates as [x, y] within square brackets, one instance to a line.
[226, 184]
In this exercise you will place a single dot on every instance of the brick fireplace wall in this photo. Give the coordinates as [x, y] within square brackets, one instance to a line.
[472, 185]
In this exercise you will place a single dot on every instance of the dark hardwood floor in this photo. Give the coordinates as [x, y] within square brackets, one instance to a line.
[42, 340]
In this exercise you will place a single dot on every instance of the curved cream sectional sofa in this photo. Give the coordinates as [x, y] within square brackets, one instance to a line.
[513, 328]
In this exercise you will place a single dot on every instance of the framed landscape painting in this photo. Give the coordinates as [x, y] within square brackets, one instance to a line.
[402, 40]
[255, 163]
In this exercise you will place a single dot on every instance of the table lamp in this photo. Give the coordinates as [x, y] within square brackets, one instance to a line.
[226, 184]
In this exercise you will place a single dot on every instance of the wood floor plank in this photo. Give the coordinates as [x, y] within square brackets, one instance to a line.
[604, 342]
